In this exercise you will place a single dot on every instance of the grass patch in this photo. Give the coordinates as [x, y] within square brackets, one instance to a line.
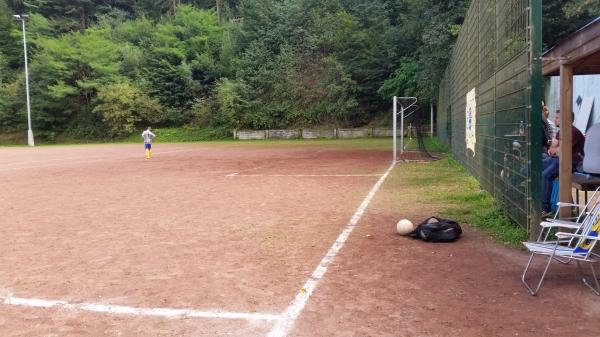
[431, 144]
[13, 139]
[181, 135]
[165, 135]
[462, 198]
[215, 136]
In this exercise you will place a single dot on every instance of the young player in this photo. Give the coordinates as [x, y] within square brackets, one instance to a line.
[148, 137]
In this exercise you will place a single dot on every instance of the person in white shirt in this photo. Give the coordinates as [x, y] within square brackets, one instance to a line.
[551, 126]
[148, 137]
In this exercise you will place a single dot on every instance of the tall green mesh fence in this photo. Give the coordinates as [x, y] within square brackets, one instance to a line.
[489, 108]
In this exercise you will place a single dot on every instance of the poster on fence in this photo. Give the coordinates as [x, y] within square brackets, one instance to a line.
[470, 118]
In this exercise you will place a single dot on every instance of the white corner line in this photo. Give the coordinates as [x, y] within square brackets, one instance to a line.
[233, 174]
[133, 311]
[289, 316]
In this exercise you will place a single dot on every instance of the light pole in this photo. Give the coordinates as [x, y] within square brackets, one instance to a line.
[23, 18]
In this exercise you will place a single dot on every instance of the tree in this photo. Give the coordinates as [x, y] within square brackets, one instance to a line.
[123, 107]
[68, 71]
[10, 50]
[70, 15]
[432, 27]
[563, 17]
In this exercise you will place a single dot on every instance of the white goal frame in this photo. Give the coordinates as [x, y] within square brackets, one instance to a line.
[412, 102]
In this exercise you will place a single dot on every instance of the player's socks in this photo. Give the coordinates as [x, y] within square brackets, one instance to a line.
[147, 154]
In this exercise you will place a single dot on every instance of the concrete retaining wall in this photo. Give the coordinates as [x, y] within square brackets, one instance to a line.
[354, 133]
[318, 133]
[323, 133]
[249, 134]
[284, 134]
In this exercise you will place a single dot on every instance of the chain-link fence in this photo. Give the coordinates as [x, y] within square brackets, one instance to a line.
[489, 108]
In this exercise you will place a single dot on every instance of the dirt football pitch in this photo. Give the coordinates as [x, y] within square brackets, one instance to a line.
[256, 239]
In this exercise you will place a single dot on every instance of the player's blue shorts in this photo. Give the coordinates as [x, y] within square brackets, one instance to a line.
[148, 146]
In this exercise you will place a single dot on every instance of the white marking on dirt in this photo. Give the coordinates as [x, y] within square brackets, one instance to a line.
[289, 316]
[304, 175]
[132, 311]
[246, 170]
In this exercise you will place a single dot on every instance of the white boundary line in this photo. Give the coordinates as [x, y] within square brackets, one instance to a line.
[124, 310]
[289, 316]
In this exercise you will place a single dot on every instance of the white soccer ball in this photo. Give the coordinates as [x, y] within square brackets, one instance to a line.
[404, 227]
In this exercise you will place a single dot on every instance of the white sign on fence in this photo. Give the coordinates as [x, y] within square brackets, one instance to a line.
[470, 119]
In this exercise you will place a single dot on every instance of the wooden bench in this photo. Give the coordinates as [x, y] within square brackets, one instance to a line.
[584, 183]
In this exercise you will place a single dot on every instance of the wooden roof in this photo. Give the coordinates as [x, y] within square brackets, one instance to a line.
[581, 50]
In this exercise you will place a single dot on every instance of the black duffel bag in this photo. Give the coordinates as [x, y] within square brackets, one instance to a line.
[437, 230]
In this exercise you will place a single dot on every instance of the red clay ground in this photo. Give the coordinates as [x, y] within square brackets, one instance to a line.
[100, 224]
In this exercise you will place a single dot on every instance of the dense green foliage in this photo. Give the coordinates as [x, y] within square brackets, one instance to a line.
[563, 17]
[106, 68]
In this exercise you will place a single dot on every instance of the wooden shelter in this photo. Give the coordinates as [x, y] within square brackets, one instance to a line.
[579, 54]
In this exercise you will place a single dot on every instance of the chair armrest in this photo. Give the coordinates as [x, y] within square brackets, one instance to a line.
[565, 204]
[560, 223]
[563, 235]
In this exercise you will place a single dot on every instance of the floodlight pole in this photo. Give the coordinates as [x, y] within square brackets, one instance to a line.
[23, 18]
[431, 120]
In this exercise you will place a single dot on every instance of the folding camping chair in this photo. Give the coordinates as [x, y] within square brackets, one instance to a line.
[573, 223]
[576, 246]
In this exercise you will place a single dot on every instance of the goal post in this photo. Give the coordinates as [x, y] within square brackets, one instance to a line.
[405, 104]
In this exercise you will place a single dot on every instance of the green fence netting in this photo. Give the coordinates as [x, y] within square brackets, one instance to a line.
[489, 108]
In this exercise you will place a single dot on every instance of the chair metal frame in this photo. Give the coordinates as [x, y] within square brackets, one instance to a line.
[575, 246]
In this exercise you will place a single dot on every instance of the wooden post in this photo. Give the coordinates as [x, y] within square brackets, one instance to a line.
[566, 139]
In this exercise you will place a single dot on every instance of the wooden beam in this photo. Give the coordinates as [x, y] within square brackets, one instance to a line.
[576, 47]
[566, 138]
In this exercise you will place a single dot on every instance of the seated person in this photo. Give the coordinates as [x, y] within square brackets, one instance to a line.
[591, 162]
[550, 164]
[548, 131]
[550, 123]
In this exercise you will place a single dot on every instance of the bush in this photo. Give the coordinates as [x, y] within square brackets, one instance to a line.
[123, 107]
